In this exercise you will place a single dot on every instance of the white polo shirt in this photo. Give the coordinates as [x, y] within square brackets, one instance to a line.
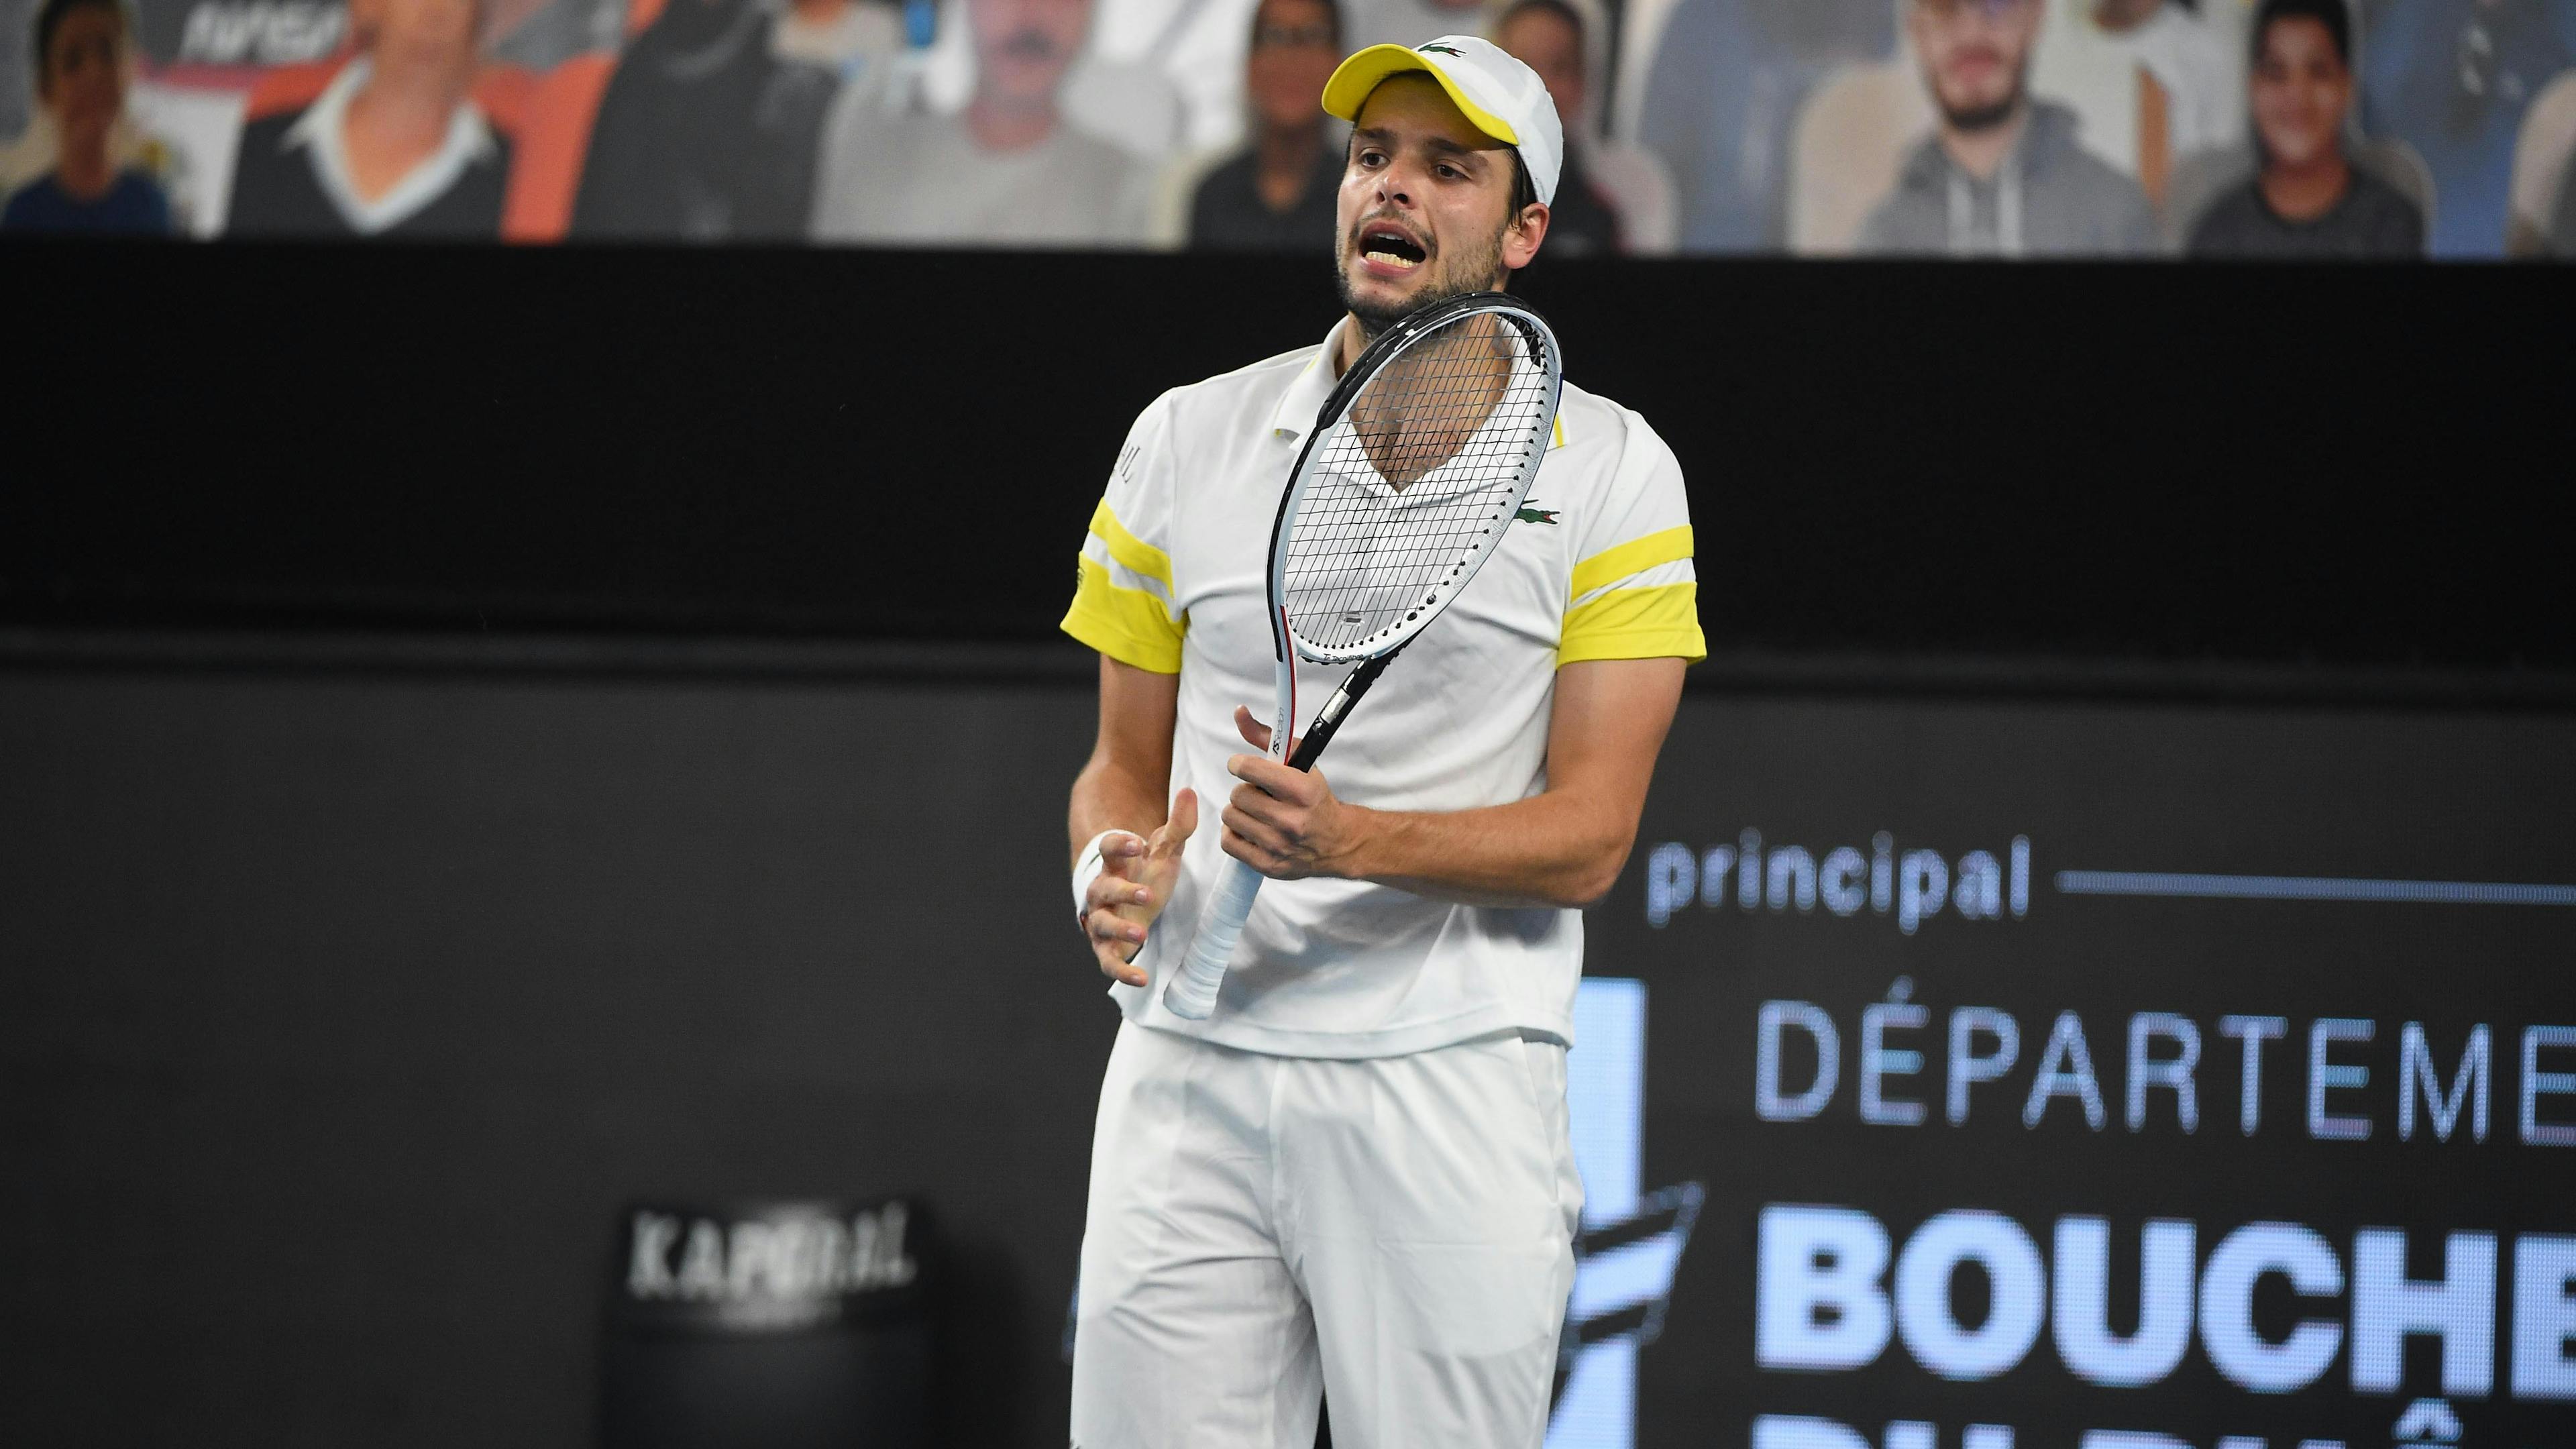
[1598, 566]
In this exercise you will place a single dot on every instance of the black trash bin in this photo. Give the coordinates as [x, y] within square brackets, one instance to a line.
[769, 1325]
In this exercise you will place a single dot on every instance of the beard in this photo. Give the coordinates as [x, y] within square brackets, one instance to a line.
[1987, 115]
[1445, 277]
[1973, 119]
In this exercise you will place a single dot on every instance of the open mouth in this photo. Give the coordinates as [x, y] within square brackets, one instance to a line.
[1389, 247]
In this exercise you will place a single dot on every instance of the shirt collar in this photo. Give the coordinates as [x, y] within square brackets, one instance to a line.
[322, 131]
[1295, 414]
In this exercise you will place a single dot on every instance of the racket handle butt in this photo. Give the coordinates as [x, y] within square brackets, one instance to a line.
[1191, 995]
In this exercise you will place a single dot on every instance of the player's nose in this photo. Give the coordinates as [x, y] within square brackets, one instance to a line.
[1398, 184]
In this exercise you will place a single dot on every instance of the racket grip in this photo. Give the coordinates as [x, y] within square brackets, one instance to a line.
[1191, 995]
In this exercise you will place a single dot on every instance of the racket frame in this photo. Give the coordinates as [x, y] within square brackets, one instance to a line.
[1389, 345]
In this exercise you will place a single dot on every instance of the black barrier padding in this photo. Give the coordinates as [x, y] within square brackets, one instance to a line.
[2337, 464]
[818, 1392]
[340, 1017]
[341, 1022]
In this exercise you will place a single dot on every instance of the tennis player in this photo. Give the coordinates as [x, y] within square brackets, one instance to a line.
[1353, 1179]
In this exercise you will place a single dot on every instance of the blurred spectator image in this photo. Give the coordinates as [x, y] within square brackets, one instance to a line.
[1409, 22]
[850, 38]
[704, 135]
[2307, 199]
[19, 63]
[2562, 225]
[1006, 169]
[2544, 156]
[542, 34]
[2002, 174]
[1722, 100]
[394, 145]
[82, 53]
[2152, 80]
[2452, 79]
[1609, 198]
[1277, 195]
[1163, 80]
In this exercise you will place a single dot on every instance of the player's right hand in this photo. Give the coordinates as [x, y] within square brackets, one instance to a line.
[1134, 884]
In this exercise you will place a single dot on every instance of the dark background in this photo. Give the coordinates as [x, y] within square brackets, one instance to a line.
[344, 1015]
[487, 737]
[2315, 466]
[344, 1011]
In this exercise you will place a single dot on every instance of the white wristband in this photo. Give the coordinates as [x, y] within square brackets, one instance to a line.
[1085, 871]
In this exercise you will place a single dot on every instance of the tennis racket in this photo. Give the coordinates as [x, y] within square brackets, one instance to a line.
[1417, 465]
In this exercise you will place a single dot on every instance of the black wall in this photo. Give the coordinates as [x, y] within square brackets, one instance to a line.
[340, 1018]
[341, 1013]
[2288, 465]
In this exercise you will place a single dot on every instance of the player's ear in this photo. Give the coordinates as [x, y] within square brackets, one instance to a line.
[1523, 234]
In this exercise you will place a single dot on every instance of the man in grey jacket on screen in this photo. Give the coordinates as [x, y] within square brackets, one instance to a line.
[1006, 171]
[2002, 174]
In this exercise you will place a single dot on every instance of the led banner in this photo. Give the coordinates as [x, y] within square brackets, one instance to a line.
[2085, 1078]
[2000, 129]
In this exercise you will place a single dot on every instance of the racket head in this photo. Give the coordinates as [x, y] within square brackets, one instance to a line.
[1417, 463]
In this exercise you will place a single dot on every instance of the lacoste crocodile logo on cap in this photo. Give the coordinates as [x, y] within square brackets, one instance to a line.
[1439, 50]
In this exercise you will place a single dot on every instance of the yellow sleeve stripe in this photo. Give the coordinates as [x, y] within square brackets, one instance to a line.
[1136, 554]
[1652, 623]
[1633, 557]
[1128, 625]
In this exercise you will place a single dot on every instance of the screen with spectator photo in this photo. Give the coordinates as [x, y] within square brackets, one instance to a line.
[2199, 129]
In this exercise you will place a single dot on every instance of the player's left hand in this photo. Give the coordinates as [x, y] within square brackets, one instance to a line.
[1284, 823]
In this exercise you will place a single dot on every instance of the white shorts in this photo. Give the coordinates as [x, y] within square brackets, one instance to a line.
[1396, 1234]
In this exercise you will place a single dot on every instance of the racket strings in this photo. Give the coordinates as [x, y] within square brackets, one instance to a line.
[1418, 474]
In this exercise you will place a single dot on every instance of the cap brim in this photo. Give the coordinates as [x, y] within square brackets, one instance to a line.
[1365, 70]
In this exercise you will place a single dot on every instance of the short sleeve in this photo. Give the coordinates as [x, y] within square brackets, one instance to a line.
[1122, 598]
[1634, 594]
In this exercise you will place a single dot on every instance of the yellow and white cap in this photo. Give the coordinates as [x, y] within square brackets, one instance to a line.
[1498, 95]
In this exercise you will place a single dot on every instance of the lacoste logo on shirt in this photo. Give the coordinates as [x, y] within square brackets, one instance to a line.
[1537, 515]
